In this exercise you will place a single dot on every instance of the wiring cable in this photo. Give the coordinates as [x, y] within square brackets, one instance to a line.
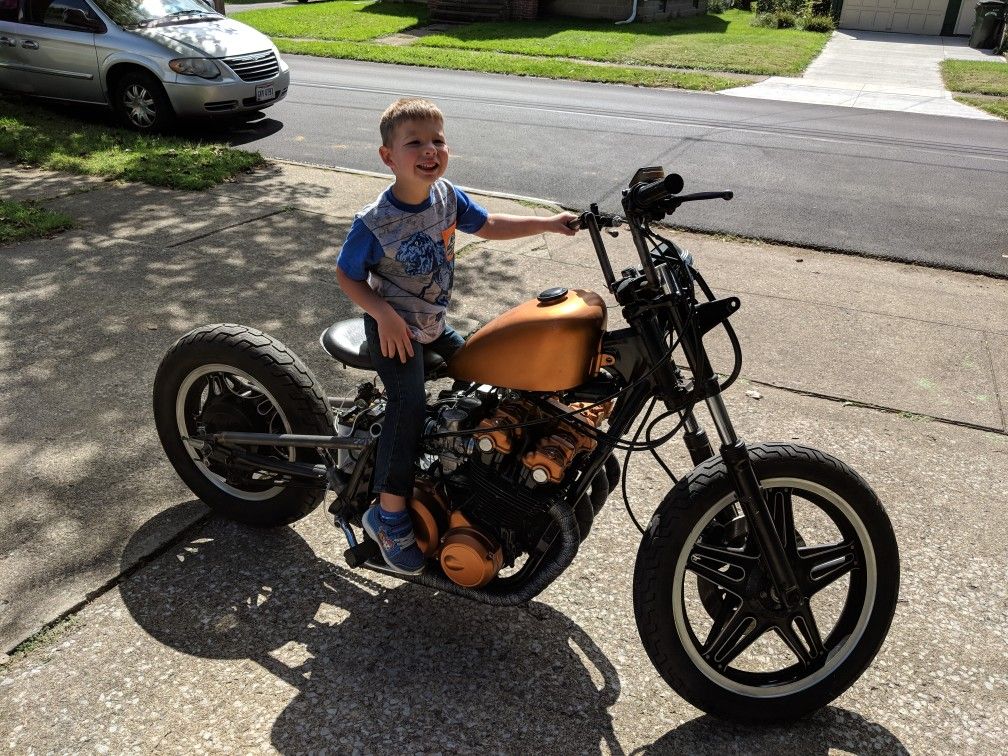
[694, 275]
[626, 466]
[653, 447]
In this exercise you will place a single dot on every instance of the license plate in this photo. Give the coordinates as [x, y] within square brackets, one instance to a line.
[265, 92]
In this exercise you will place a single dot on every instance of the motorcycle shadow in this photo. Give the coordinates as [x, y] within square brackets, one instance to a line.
[377, 668]
[830, 730]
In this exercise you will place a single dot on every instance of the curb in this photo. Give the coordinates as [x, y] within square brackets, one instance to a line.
[389, 176]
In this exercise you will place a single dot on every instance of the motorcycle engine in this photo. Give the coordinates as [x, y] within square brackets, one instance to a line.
[489, 504]
[481, 498]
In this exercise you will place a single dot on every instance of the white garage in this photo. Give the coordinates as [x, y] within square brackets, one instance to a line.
[906, 16]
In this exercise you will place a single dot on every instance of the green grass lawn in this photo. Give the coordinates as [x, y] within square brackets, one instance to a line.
[979, 77]
[26, 221]
[490, 62]
[713, 42]
[725, 42]
[37, 136]
[976, 77]
[336, 19]
[994, 105]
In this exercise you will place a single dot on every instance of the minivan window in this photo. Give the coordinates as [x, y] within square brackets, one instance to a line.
[8, 10]
[53, 12]
[142, 12]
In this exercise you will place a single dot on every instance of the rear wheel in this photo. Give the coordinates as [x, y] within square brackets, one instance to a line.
[233, 378]
[708, 613]
[140, 102]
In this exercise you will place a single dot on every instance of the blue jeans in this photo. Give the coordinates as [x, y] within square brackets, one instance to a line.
[399, 444]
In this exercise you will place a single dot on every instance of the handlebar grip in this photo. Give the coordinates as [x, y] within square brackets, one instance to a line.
[646, 196]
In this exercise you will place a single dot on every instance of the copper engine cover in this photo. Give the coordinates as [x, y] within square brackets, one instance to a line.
[468, 557]
[537, 346]
[429, 514]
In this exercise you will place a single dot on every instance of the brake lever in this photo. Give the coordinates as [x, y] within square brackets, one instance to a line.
[672, 203]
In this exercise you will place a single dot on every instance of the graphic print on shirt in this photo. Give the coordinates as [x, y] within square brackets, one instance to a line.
[445, 277]
[420, 255]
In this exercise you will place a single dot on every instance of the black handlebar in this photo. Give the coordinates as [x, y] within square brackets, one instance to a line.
[645, 197]
[643, 202]
[601, 220]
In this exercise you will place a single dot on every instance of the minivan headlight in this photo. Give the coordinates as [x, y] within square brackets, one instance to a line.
[205, 69]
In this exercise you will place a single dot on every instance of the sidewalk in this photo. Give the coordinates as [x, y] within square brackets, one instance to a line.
[878, 71]
[235, 639]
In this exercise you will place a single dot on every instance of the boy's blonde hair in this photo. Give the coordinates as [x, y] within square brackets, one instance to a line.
[407, 109]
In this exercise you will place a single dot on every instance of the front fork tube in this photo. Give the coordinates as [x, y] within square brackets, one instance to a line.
[736, 457]
[695, 438]
[753, 503]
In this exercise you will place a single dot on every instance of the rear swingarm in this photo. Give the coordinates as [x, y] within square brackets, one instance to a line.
[226, 448]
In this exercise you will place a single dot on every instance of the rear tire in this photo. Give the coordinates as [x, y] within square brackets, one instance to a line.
[232, 377]
[758, 662]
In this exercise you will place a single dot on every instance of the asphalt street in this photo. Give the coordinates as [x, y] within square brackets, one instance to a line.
[916, 188]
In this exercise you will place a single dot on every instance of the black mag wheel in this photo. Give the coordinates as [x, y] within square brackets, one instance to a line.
[706, 608]
[228, 377]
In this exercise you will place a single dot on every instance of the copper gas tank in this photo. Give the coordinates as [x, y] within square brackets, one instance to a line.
[547, 344]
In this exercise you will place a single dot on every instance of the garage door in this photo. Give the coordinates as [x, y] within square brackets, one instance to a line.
[907, 16]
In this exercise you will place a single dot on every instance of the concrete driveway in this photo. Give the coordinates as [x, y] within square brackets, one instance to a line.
[218, 638]
[879, 71]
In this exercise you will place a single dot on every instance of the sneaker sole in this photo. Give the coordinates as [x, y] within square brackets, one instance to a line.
[392, 567]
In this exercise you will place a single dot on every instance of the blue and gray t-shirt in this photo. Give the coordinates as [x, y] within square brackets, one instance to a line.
[407, 253]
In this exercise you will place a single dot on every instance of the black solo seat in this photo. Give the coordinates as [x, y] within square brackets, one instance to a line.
[346, 342]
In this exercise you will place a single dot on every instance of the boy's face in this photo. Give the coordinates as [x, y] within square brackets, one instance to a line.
[417, 152]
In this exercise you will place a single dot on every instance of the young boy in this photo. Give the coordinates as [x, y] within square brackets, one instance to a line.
[397, 264]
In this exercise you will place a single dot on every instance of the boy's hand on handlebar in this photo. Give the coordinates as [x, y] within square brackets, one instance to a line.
[394, 335]
[560, 224]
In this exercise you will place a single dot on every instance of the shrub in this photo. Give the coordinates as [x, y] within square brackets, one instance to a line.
[719, 6]
[786, 19]
[818, 24]
[794, 7]
[818, 8]
[764, 19]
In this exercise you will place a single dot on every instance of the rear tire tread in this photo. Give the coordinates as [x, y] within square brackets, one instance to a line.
[301, 395]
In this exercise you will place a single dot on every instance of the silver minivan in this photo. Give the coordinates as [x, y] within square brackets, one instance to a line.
[150, 60]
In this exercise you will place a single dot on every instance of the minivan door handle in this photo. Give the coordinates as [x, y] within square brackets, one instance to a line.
[29, 44]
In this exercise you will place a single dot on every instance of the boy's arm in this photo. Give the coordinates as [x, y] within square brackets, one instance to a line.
[392, 330]
[501, 226]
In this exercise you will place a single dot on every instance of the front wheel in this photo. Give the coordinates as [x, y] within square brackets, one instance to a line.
[706, 608]
[229, 377]
[141, 104]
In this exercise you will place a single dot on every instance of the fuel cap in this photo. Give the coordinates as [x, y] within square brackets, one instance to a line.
[552, 295]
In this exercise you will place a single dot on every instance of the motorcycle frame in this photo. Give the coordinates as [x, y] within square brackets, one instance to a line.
[646, 295]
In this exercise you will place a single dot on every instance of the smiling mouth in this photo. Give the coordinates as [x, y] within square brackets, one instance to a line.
[427, 166]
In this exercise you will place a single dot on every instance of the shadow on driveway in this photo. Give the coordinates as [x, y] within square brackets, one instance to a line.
[381, 669]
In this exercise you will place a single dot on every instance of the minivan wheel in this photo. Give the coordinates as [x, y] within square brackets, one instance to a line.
[141, 104]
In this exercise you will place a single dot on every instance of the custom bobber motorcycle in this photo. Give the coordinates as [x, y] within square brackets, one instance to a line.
[767, 578]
